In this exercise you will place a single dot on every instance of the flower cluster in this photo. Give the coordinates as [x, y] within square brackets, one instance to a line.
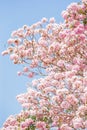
[56, 54]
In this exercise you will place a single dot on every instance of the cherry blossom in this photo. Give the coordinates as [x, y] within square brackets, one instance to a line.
[54, 56]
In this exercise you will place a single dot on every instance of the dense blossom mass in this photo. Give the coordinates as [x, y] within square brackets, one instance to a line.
[56, 54]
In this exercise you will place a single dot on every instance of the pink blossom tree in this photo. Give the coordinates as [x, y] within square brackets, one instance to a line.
[55, 55]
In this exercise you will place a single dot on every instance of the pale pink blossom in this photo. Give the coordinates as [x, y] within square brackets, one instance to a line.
[65, 127]
[4, 53]
[65, 14]
[19, 73]
[25, 69]
[10, 41]
[72, 99]
[44, 20]
[31, 74]
[52, 20]
[55, 56]
[84, 1]
[41, 125]
[17, 41]
[13, 56]
[65, 105]
[78, 123]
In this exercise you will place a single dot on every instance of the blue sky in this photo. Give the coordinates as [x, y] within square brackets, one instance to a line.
[13, 15]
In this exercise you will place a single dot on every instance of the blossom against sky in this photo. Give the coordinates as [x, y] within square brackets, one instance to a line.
[13, 15]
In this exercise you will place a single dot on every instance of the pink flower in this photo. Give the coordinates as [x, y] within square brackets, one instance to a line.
[23, 125]
[65, 105]
[4, 53]
[41, 125]
[62, 34]
[78, 123]
[57, 55]
[29, 122]
[85, 124]
[79, 30]
[82, 38]
[34, 82]
[52, 20]
[10, 41]
[60, 63]
[25, 69]
[42, 43]
[84, 98]
[72, 99]
[17, 41]
[13, 34]
[31, 74]
[65, 127]
[44, 20]
[73, 6]
[34, 63]
[84, 1]
[13, 56]
[19, 73]
[82, 110]
[65, 14]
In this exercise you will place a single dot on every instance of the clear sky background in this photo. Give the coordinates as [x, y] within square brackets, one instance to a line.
[13, 15]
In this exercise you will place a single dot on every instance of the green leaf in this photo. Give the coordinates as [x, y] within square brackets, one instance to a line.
[33, 118]
[32, 127]
[45, 119]
[85, 21]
